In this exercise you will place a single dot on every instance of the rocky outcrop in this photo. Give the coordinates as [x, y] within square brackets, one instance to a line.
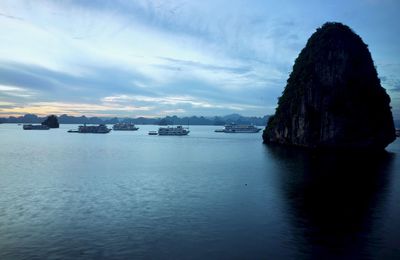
[51, 121]
[333, 97]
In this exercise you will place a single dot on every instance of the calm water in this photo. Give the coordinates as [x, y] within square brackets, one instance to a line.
[206, 195]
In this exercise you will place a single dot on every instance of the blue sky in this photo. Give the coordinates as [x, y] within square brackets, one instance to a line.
[156, 58]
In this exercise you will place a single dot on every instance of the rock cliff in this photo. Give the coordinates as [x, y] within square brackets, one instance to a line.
[333, 97]
[51, 121]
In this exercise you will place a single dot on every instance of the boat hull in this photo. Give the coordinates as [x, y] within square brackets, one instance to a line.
[74, 131]
[100, 129]
[173, 131]
[134, 129]
[237, 131]
[172, 134]
[125, 127]
[35, 127]
[241, 131]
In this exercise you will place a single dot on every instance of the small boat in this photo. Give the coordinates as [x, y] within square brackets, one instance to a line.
[125, 127]
[170, 130]
[84, 129]
[35, 127]
[398, 132]
[233, 128]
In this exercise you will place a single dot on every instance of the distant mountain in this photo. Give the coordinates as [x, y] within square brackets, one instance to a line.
[233, 117]
[168, 120]
[28, 118]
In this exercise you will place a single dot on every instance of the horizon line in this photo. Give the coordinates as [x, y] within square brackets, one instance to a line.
[131, 117]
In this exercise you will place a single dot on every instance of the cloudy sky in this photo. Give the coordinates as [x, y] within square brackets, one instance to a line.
[172, 57]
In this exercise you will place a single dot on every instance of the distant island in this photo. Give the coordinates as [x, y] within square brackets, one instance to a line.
[51, 121]
[168, 120]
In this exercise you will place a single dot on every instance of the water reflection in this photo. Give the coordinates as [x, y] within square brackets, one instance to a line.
[333, 200]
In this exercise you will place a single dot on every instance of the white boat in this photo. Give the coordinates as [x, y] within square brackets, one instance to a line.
[83, 129]
[125, 127]
[35, 127]
[153, 132]
[233, 128]
[170, 130]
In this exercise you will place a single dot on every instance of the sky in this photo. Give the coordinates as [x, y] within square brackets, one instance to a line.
[155, 58]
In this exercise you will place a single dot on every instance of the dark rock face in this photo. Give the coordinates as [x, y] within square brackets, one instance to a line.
[51, 121]
[333, 97]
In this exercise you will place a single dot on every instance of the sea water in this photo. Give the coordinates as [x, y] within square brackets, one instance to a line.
[128, 195]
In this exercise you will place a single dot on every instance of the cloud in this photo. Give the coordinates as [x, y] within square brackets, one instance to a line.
[143, 48]
[171, 112]
[53, 84]
[15, 91]
[396, 88]
[6, 104]
[102, 85]
[203, 57]
[176, 101]
[58, 108]
[10, 16]
[212, 67]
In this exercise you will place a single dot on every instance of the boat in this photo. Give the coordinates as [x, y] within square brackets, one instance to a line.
[398, 132]
[170, 130]
[125, 127]
[233, 128]
[93, 129]
[153, 132]
[35, 127]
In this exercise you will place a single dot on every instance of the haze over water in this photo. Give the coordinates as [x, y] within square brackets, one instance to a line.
[206, 195]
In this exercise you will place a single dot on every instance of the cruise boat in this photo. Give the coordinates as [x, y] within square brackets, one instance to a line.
[153, 132]
[35, 127]
[170, 130]
[83, 129]
[233, 128]
[125, 127]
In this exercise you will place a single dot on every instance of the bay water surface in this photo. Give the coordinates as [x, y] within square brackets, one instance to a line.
[128, 195]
